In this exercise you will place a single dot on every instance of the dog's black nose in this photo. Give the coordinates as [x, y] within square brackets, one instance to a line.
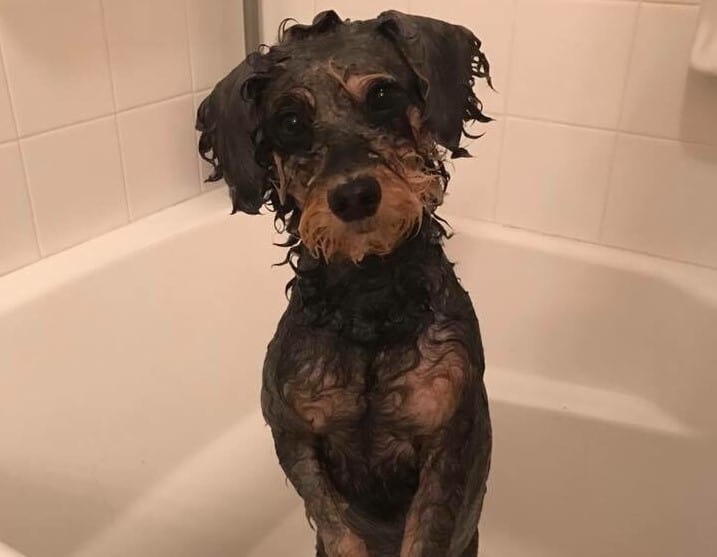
[356, 199]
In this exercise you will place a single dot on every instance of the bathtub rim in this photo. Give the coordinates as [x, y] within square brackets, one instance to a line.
[42, 277]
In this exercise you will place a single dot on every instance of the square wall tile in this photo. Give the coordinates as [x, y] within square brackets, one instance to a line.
[663, 198]
[216, 39]
[75, 180]
[160, 156]
[570, 60]
[472, 189]
[664, 97]
[554, 178]
[7, 121]
[272, 13]
[367, 9]
[492, 22]
[149, 50]
[56, 62]
[18, 246]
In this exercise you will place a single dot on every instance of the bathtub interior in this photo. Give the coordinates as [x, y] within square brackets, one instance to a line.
[601, 378]
[129, 419]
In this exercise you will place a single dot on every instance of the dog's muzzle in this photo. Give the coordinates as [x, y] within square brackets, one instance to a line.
[356, 199]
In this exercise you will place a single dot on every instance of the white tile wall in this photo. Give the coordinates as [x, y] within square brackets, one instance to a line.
[365, 9]
[216, 47]
[570, 59]
[664, 199]
[18, 246]
[585, 86]
[7, 121]
[76, 73]
[272, 13]
[474, 181]
[554, 177]
[158, 142]
[663, 97]
[492, 22]
[613, 71]
[55, 61]
[674, 1]
[149, 49]
[75, 180]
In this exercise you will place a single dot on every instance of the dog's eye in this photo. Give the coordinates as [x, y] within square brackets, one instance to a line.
[291, 125]
[291, 131]
[385, 101]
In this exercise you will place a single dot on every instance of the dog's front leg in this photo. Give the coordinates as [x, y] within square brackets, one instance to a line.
[324, 505]
[429, 522]
[443, 517]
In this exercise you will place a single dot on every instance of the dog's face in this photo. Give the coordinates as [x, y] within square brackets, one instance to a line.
[341, 127]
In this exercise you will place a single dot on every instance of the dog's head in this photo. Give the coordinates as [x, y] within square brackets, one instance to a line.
[342, 127]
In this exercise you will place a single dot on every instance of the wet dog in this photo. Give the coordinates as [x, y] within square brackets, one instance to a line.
[373, 384]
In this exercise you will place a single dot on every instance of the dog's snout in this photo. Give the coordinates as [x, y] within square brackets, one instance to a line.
[356, 199]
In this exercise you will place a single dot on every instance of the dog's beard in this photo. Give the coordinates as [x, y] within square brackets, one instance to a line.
[406, 192]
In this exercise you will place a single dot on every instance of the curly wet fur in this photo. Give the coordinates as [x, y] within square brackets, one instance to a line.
[358, 352]
[373, 382]
[408, 190]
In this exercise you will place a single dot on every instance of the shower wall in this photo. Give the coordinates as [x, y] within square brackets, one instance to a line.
[97, 102]
[602, 132]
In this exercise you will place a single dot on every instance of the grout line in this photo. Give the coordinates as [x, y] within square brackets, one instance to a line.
[608, 188]
[253, 15]
[72, 124]
[668, 3]
[600, 244]
[190, 57]
[547, 120]
[9, 95]
[25, 175]
[203, 187]
[108, 54]
[107, 115]
[160, 101]
[506, 94]
[505, 116]
[204, 92]
[35, 222]
[123, 168]
[620, 116]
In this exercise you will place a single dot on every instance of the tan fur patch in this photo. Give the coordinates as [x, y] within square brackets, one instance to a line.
[356, 85]
[281, 187]
[302, 93]
[320, 400]
[407, 188]
[404, 194]
[433, 390]
[427, 395]
[409, 535]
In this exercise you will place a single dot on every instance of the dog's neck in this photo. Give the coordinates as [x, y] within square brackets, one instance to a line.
[382, 300]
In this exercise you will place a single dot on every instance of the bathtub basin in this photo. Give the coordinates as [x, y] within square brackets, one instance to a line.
[130, 371]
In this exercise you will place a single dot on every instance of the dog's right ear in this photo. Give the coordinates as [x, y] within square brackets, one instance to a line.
[227, 120]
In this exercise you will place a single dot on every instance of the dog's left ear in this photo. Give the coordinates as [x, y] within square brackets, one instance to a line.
[446, 59]
[227, 120]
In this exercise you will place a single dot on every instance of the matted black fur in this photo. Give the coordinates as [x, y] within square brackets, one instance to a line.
[373, 383]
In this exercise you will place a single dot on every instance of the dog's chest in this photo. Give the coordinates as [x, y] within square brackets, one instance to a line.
[404, 393]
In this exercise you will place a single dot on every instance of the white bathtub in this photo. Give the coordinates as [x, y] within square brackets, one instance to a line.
[130, 370]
